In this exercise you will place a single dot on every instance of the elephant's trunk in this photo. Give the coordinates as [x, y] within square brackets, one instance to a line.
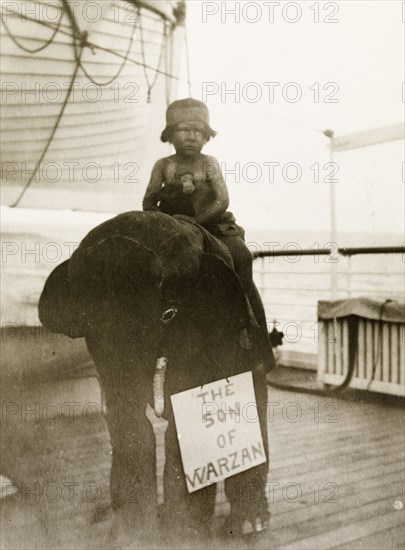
[158, 386]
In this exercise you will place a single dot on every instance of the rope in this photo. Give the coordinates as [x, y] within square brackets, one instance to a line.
[24, 48]
[190, 93]
[212, 360]
[168, 66]
[145, 66]
[141, 64]
[78, 35]
[353, 346]
[56, 125]
[92, 46]
[101, 84]
[150, 85]
[337, 390]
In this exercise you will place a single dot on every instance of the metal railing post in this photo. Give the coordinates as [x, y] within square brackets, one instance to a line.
[349, 277]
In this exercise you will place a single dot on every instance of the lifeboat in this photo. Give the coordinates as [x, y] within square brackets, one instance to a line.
[85, 87]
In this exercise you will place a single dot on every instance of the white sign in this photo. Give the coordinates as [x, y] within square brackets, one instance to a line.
[218, 430]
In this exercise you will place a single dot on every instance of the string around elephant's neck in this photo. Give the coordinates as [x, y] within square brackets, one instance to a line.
[211, 360]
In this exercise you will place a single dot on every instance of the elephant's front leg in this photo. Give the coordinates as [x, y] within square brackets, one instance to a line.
[133, 469]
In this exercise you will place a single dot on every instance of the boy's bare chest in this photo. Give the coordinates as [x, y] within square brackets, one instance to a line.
[175, 171]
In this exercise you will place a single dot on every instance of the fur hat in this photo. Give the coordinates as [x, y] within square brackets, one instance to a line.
[187, 110]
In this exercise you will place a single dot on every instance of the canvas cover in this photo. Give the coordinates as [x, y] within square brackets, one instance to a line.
[384, 309]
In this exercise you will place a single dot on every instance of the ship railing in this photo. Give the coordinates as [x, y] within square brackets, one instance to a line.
[292, 281]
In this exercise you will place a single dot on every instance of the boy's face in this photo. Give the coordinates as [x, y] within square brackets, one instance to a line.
[188, 138]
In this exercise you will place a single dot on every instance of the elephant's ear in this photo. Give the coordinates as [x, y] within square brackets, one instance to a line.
[57, 309]
[220, 302]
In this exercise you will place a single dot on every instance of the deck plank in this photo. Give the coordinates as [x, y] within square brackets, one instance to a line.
[362, 454]
[347, 517]
[362, 527]
[386, 538]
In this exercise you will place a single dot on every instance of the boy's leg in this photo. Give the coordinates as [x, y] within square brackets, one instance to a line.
[242, 259]
[265, 349]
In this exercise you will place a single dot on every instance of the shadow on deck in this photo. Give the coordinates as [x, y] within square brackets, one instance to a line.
[336, 474]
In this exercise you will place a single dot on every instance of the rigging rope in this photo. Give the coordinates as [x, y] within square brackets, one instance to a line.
[168, 65]
[150, 85]
[78, 35]
[145, 65]
[24, 48]
[92, 46]
[158, 71]
[65, 102]
[190, 92]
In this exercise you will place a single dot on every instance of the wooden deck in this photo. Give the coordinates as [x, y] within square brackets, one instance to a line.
[336, 476]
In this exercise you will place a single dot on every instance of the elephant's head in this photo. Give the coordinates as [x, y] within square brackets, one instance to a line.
[143, 285]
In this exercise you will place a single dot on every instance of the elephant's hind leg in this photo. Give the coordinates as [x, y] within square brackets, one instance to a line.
[187, 516]
[246, 491]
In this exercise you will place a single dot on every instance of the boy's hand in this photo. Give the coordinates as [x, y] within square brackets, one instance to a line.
[188, 184]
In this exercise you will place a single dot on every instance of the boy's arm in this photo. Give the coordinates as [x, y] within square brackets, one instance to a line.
[220, 201]
[152, 191]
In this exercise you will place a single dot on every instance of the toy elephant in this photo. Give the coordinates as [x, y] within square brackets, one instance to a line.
[145, 285]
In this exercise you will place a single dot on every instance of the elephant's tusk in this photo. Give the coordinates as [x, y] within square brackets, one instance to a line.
[159, 386]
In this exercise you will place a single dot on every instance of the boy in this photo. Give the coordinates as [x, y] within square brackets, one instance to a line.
[191, 183]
